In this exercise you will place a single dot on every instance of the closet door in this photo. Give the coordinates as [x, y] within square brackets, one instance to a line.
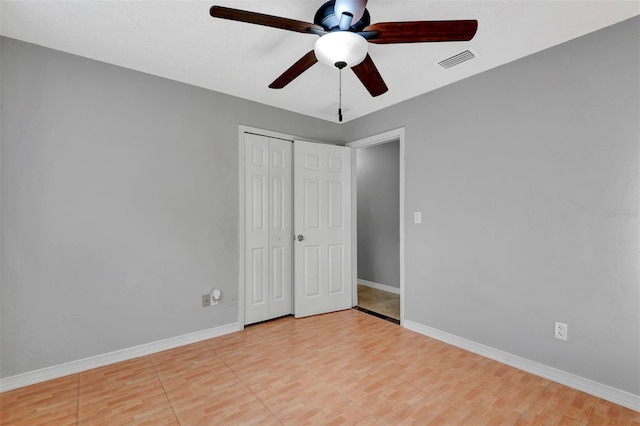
[280, 228]
[268, 229]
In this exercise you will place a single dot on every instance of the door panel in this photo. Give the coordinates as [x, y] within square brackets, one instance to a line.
[268, 228]
[258, 279]
[312, 204]
[322, 215]
[279, 266]
[256, 231]
[281, 228]
[336, 268]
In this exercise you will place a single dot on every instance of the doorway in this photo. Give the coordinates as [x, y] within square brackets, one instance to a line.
[378, 225]
[378, 210]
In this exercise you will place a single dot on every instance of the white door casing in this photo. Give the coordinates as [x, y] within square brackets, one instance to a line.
[268, 228]
[389, 136]
[322, 218]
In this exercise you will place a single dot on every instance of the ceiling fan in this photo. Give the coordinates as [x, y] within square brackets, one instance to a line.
[345, 31]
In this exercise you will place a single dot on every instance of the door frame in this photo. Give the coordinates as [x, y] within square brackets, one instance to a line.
[379, 139]
[242, 129]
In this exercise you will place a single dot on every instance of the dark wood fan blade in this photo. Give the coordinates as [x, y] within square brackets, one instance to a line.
[422, 31]
[266, 20]
[294, 70]
[369, 75]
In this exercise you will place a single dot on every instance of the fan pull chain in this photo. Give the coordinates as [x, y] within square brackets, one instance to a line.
[340, 95]
[340, 65]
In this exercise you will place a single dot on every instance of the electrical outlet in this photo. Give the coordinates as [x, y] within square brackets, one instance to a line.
[206, 300]
[561, 331]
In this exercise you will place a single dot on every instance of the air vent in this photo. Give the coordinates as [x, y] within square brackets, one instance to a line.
[457, 59]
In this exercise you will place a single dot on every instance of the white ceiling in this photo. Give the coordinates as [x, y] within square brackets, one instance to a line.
[179, 40]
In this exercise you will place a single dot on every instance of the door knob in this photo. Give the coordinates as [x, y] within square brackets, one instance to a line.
[300, 237]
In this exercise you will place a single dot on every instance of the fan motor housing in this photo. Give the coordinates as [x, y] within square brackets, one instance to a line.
[327, 19]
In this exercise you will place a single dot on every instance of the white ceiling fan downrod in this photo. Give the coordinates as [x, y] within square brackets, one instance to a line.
[355, 8]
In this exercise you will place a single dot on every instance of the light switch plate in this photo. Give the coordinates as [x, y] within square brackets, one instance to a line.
[417, 217]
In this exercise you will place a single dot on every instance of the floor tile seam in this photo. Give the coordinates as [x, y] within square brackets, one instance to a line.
[416, 388]
[78, 400]
[254, 332]
[371, 412]
[289, 337]
[560, 413]
[140, 359]
[180, 370]
[90, 420]
[563, 413]
[155, 360]
[152, 382]
[445, 401]
[274, 349]
[546, 402]
[138, 374]
[426, 397]
[179, 406]
[247, 331]
[309, 331]
[161, 364]
[164, 390]
[359, 405]
[208, 343]
[264, 404]
[238, 378]
[340, 391]
[534, 401]
[211, 342]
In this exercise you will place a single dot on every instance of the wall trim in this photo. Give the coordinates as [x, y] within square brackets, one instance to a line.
[378, 286]
[617, 396]
[53, 372]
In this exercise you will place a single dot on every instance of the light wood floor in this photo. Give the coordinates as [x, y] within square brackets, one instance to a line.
[341, 368]
[382, 302]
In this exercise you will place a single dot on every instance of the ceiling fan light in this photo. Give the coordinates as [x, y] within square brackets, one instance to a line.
[341, 46]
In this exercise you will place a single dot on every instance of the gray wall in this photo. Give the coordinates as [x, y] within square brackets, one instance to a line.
[379, 214]
[119, 205]
[517, 172]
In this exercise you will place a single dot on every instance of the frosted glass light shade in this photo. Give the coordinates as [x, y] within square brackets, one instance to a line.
[341, 46]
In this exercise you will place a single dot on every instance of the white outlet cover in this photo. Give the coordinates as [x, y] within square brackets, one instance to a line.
[561, 330]
[417, 217]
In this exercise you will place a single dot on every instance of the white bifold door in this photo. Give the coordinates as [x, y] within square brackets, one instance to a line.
[297, 224]
[268, 228]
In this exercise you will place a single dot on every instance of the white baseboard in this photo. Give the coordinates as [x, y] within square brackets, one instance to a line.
[378, 286]
[80, 365]
[617, 396]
